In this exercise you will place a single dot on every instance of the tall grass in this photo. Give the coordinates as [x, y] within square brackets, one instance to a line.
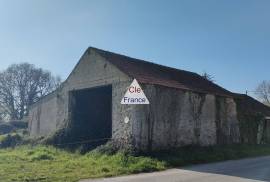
[46, 163]
[40, 163]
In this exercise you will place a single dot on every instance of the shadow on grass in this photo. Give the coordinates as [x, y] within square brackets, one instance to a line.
[254, 168]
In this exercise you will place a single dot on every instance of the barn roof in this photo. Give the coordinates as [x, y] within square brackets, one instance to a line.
[151, 73]
[252, 105]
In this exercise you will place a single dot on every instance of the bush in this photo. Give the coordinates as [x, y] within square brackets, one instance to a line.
[24, 132]
[12, 126]
[10, 140]
[109, 148]
[41, 155]
[5, 128]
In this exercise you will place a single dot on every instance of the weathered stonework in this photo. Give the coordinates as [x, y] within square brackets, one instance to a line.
[174, 117]
[52, 112]
[43, 116]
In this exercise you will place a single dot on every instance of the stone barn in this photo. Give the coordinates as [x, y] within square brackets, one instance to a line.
[184, 109]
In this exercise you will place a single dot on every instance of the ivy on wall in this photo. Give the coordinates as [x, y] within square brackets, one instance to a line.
[249, 123]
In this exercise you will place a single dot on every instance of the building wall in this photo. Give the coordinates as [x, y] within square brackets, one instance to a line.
[267, 131]
[176, 118]
[42, 116]
[92, 71]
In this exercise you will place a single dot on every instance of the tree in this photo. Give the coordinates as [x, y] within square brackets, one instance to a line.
[263, 92]
[208, 77]
[20, 86]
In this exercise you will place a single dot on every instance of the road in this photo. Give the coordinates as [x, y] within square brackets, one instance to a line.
[245, 170]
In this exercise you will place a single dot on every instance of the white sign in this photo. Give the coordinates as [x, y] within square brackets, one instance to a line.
[134, 95]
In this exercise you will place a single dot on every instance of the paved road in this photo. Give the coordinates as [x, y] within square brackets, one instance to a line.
[246, 170]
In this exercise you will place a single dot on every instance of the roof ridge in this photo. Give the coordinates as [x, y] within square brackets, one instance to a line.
[154, 67]
[144, 61]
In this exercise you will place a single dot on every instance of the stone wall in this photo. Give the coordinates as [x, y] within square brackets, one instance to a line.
[43, 115]
[53, 112]
[254, 128]
[267, 131]
[177, 118]
[227, 121]
[174, 117]
[122, 133]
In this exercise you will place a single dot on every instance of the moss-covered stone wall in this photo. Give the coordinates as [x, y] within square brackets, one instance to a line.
[252, 124]
[177, 118]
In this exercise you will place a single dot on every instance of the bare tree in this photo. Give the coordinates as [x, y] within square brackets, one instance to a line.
[208, 77]
[21, 85]
[263, 92]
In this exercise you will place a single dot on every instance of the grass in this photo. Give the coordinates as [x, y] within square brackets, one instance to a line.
[41, 163]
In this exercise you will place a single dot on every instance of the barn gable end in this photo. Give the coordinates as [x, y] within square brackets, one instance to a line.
[52, 112]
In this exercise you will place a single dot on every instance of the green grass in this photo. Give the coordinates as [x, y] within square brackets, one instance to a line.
[50, 164]
[41, 163]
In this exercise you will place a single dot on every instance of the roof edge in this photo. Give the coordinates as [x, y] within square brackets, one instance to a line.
[100, 51]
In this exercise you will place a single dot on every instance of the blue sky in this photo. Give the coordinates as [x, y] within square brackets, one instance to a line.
[228, 39]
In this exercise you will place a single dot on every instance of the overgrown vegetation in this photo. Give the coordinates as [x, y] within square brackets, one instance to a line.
[249, 126]
[13, 133]
[46, 163]
[249, 122]
[12, 126]
[24, 159]
[18, 136]
[40, 163]
[66, 138]
[10, 140]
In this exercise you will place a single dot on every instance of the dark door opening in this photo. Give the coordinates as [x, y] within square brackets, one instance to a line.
[92, 115]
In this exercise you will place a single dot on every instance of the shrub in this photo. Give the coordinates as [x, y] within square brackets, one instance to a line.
[10, 140]
[5, 128]
[24, 132]
[109, 148]
[12, 126]
[38, 153]
[41, 156]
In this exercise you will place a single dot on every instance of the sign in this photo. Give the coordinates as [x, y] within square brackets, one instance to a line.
[134, 95]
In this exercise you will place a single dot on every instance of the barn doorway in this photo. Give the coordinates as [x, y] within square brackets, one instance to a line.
[91, 113]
